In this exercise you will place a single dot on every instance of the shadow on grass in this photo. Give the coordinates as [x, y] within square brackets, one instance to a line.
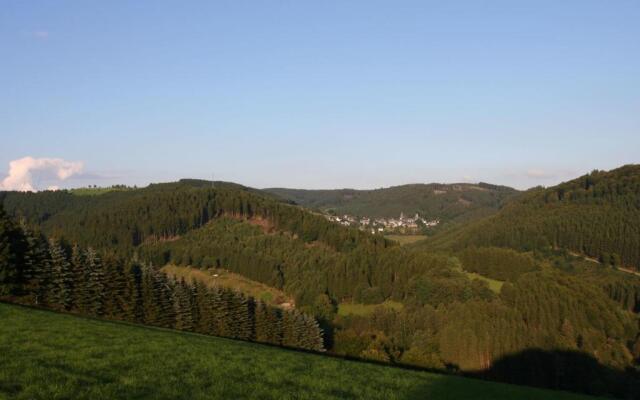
[563, 370]
[566, 371]
[559, 370]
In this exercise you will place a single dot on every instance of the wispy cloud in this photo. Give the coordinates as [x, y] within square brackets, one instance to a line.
[23, 172]
[42, 35]
[38, 34]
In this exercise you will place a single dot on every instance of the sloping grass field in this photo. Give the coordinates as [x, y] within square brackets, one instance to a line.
[345, 309]
[406, 239]
[223, 278]
[44, 355]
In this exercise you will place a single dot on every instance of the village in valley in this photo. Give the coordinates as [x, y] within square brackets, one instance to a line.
[400, 225]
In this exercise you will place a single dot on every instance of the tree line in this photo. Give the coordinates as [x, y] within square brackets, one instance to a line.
[52, 274]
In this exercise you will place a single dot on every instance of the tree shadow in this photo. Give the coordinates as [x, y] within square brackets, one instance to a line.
[561, 370]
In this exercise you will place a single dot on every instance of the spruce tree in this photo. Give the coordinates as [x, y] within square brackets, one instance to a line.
[11, 251]
[37, 266]
[115, 288]
[62, 277]
[95, 286]
[164, 292]
[291, 331]
[274, 325]
[183, 306]
[195, 289]
[239, 317]
[219, 317]
[150, 306]
[311, 338]
[205, 323]
[134, 304]
[79, 279]
[263, 324]
[226, 323]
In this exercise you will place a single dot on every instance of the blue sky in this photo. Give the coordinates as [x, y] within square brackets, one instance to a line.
[321, 94]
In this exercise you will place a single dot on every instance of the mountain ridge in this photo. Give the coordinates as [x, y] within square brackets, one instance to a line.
[596, 215]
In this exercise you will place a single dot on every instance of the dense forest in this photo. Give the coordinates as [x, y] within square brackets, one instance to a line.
[120, 221]
[450, 203]
[467, 307]
[596, 215]
[50, 273]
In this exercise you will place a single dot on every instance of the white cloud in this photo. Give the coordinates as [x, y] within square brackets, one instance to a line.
[23, 170]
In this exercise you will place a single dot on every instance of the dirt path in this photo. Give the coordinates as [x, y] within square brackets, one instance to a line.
[622, 269]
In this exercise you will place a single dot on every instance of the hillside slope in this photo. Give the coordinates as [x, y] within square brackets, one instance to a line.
[597, 215]
[121, 220]
[450, 203]
[48, 355]
[448, 319]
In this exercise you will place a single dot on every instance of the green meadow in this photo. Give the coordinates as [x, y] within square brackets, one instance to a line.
[45, 355]
[345, 309]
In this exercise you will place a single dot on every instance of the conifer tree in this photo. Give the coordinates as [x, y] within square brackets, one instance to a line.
[312, 334]
[260, 324]
[11, 250]
[79, 279]
[205, 323]
[37, 266]
[164, 292]
[240, 319]
[196, 288]
[94, 293]
[115, 288]
[291, 331]
[183, 306]
[150, 305]
[62, 277]
[134, 304]
[222, 301]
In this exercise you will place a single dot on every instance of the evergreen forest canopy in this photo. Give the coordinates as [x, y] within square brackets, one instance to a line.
[509, 289]
[596, 215]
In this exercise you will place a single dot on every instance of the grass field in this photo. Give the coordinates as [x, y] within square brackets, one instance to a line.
[224, 278]
[52, 356]
[494, 285]
[406, 239]
[345, 309]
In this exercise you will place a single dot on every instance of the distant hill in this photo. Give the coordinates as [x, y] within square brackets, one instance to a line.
[458, 202]
[462, 311]
[597, 215]
[122, 220]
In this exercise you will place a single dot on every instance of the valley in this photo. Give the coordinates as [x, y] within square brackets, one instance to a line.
[503, 287]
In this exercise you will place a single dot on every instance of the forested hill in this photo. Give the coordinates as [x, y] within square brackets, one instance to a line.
[597, 215]
[443, 316]
[122, 220]
[448, 202]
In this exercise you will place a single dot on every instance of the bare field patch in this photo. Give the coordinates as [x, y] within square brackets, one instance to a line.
[221, 277]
